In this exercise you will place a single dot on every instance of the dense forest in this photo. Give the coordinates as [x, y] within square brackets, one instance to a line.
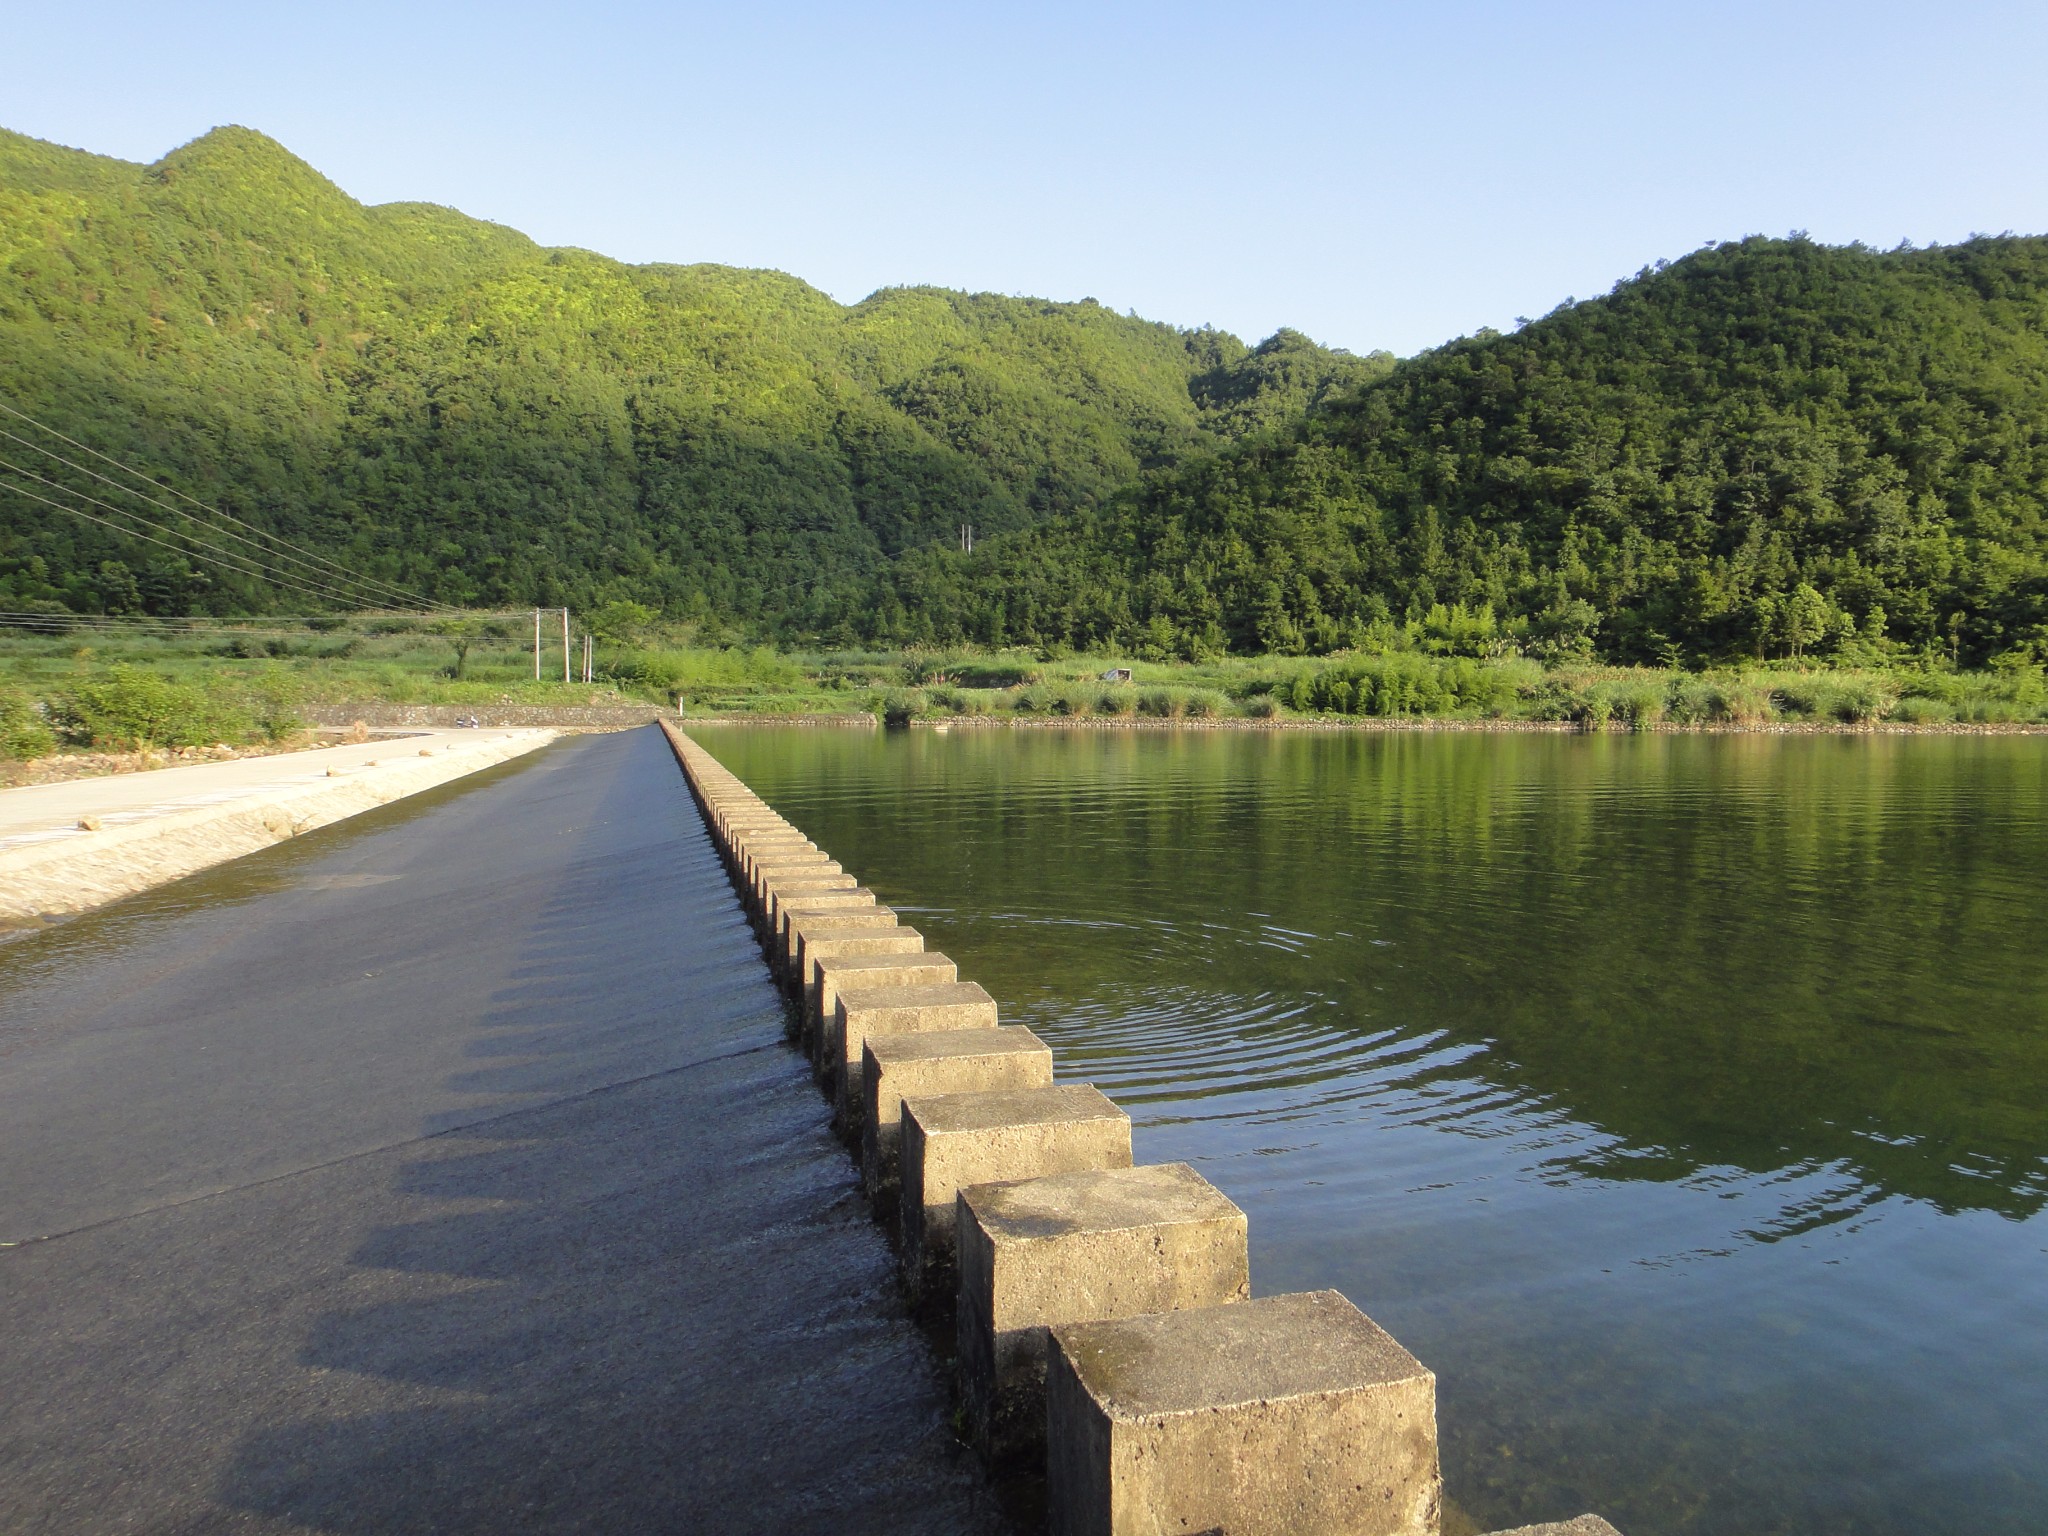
[1770, 448]
[442, 404]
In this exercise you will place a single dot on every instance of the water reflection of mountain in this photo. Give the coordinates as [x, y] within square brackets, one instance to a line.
[1725, 953]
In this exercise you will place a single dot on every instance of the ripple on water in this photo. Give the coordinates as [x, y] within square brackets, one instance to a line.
[1680, 1100]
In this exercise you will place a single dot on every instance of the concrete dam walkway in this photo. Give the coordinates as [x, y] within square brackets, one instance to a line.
[445, 1170]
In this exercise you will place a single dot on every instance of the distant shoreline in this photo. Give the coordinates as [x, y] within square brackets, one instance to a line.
[1395, 723]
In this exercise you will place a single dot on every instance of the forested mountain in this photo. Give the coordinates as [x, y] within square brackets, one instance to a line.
[1769, 448]
[442, 403]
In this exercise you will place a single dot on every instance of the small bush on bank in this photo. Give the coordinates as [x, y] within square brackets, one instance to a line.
[134, 709]
[1637, 705]
[1115, 701]
[899, 706]
[1068, 701]
[24, 733]
[1160, 703]
[1690, 701]
[1262, 706]
[1924, 711]
[1202, 704]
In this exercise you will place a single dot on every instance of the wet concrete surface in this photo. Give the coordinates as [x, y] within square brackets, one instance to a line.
[445, 1170]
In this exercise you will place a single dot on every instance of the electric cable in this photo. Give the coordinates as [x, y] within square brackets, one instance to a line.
[241, 564]
[310, 558]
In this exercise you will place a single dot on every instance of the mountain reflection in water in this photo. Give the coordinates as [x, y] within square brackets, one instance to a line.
[1679, 1099]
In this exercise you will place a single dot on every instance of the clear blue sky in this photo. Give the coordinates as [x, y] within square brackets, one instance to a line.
[1376, 175]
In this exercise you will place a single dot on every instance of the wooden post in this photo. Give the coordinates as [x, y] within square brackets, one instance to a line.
[565, 645]
[536, 645]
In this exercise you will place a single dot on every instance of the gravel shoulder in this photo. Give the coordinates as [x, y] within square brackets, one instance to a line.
[71, 846]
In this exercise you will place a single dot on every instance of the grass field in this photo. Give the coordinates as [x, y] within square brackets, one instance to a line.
[121, 689]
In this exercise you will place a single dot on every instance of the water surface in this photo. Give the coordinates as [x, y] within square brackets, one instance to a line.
[1682, 1101]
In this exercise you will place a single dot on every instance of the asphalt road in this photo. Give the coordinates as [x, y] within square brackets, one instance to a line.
[444, 1170]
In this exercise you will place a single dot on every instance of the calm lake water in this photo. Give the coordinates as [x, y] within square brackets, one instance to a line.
[1682, 1101]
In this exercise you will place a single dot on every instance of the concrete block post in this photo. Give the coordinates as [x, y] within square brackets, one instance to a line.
[794, 910]
[734, 829]
[1585, 1525]
[764, 870]
[952, 1140]
[1073, 1248]
[835, 969]
[744, 852]
[1286, 1416]
[882, 1010]
[752, 854]
[793, 887]
[785, 944]
[912, 1066]
[809, 935]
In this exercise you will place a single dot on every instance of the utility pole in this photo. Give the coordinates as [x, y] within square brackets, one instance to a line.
[565, 645]
[967, 538]
[586, 659]
[536, 645]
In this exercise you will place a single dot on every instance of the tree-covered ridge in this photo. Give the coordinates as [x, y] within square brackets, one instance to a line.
[445, 404]
[1769, 448]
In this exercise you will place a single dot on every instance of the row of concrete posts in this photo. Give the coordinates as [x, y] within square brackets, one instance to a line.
[1107, 1331]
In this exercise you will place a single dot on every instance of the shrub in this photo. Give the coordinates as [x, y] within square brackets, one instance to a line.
[1115, 701]
[1262, 706]
[1690, 700]
[133, 707]
[1202, 704]
[1742, 703]
[24, 733]
[1860, 701]
[1916, 709]
[1067, 701]
[1162, 703]
[1638, 705]
[900, 706]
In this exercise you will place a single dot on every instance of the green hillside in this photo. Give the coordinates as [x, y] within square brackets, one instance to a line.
[1768, 449]
[444, 404]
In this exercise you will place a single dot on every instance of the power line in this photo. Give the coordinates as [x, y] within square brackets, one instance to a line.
[151, 626]
[241, 564]
[326, 587]
[370, 583]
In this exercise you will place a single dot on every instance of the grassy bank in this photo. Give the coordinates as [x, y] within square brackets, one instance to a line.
[128, 690]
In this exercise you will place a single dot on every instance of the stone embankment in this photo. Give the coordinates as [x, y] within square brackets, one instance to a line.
[71, 846]
[443, 717]
[1107, 1333]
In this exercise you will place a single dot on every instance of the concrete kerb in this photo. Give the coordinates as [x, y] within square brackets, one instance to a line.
[805, 934]
[789, 888]
[859, 1012]
[974, 1109]
[1291, 1415]
[824, 955]
[798, 913]
[918, 1065]
[1073, 1248]
[765, 872]
[952, 1140]
[799, 918]
[834, 967]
